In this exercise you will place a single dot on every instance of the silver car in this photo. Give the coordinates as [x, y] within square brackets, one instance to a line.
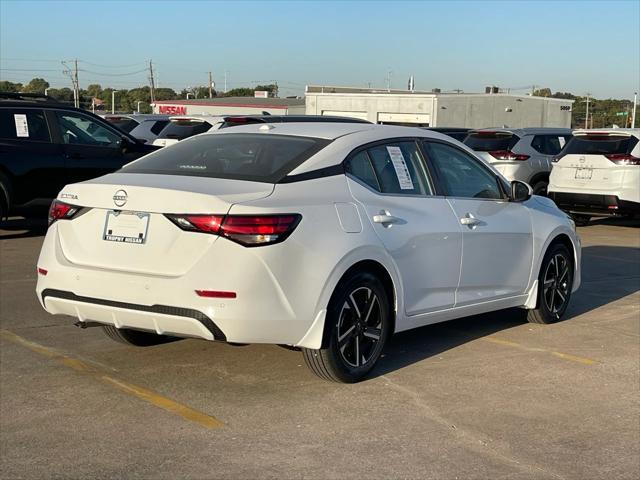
[523, 154]
[145, 127]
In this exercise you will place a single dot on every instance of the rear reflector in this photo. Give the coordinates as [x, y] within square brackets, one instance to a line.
[247, 230]
[215, 294]
[42, 271]
[623, 159]
[508, 155]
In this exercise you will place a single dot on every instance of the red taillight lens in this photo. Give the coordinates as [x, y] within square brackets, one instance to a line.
[60, 210]
[508, 155]
[623, 159]
[215, 294]
[247, 230]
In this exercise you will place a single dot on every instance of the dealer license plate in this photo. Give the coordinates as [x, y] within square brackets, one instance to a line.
[584, 173]
[126, 227]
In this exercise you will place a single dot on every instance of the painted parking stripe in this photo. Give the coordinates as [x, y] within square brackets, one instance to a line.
[564, 356]
[141, 393]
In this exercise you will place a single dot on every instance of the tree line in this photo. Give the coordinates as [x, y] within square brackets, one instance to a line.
[602, 113]
[126, 101]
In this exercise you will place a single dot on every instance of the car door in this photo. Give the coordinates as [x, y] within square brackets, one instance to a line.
[417, 228]
[497, 240]
[36, 164]
[91, 148]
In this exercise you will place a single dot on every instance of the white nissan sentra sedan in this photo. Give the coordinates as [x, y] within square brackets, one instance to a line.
[326, 237]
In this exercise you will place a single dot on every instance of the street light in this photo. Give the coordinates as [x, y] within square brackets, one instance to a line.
[113, 101]
[46, 90]
[138, 107]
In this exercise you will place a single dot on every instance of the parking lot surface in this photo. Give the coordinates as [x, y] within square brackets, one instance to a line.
[482, 397]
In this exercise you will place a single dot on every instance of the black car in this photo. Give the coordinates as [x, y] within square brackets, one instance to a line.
[45, 145]
[234, 120]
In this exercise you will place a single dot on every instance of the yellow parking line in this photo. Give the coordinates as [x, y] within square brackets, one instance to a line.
[129, 388]
[564, 356]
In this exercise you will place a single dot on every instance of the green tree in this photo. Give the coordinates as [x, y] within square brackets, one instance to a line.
[36, 85]
[272, 88]
[240, 92]
[166, 94]
[61, 94]
[6, 86]
[94, 90]
[542, 92]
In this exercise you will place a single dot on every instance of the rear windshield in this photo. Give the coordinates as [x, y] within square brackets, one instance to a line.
[237, 156]
[181, 129]
[491, 141]
[123, 123]
[600, 144]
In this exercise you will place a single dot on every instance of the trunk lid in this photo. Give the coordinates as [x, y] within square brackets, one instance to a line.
[139, 201]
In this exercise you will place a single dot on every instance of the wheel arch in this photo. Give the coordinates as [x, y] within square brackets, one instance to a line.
[538, 177]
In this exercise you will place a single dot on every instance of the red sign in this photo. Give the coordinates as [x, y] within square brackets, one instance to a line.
[172, 110]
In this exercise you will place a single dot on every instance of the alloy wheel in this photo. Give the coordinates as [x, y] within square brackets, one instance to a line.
[556, 283]
[359, 327]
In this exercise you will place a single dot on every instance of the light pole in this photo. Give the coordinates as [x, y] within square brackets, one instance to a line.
[46, 90]
[189, 93]
[586, 117]
[633, 115]
[113, 101]
[138, 106]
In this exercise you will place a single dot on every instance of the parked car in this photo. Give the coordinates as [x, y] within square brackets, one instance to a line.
[520, 154]
[45, 145]
[598, 174]
[327, 237]
[185, 126]
[237, 120]
[454, 132]
[145, 127]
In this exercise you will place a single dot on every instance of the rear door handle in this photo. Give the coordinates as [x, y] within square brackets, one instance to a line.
[385, 218]
[469, 220]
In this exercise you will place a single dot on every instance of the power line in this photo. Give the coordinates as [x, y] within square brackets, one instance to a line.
[114, 74]
[112, 66]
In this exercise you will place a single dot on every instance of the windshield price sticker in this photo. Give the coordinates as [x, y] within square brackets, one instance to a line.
[400, 166]
[22, 127]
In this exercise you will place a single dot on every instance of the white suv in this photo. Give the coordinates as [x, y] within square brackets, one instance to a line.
[523, 154]
[598, 174]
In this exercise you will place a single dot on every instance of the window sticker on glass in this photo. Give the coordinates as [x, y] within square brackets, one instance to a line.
[22, 127]
[562, 141]
[402, 172]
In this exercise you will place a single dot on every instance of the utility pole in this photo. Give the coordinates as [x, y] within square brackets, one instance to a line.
[389, 73]
[225, 81]
[152, 83]
[210, 86]
[586, 118]
[633, 115]
[73, 75]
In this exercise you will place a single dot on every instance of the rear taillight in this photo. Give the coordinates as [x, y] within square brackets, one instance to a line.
[62, 211]
[247, 230]
[508, 155]
[623, 159]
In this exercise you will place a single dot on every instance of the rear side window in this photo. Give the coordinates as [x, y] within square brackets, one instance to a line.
[123, 123]
[158, 125]
[237, 156]
[27, 124]
[549, 144]
[600, 144]
[181, 129]
[394, 168]
[491, 141]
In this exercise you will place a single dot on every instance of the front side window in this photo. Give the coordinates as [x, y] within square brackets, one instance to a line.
[80, 130]
[462, 175]
[25, 124]
[238, 156]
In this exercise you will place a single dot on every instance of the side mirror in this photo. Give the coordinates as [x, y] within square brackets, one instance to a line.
[520, 191]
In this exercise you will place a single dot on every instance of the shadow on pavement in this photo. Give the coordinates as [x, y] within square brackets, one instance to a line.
[608, 274]
[18, 227]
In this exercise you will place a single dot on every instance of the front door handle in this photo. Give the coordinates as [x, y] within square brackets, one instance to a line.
[469, 220]
[385, 218]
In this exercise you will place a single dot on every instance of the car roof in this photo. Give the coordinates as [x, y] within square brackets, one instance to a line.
[448, 129]
[139, 116]
[325, 130]
[526, 131]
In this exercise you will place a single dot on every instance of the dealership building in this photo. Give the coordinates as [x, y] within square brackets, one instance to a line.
[231, 106]
[436, 109]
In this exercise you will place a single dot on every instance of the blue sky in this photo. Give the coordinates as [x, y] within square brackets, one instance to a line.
[575, 46]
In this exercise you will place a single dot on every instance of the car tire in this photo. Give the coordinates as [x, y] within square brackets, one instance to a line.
[359, 322]
[540, 188]
[581, 220]
[5, 197]
[555, 281]
[136, 338]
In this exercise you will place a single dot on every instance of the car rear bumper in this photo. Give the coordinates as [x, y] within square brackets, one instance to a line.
[594, 204]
